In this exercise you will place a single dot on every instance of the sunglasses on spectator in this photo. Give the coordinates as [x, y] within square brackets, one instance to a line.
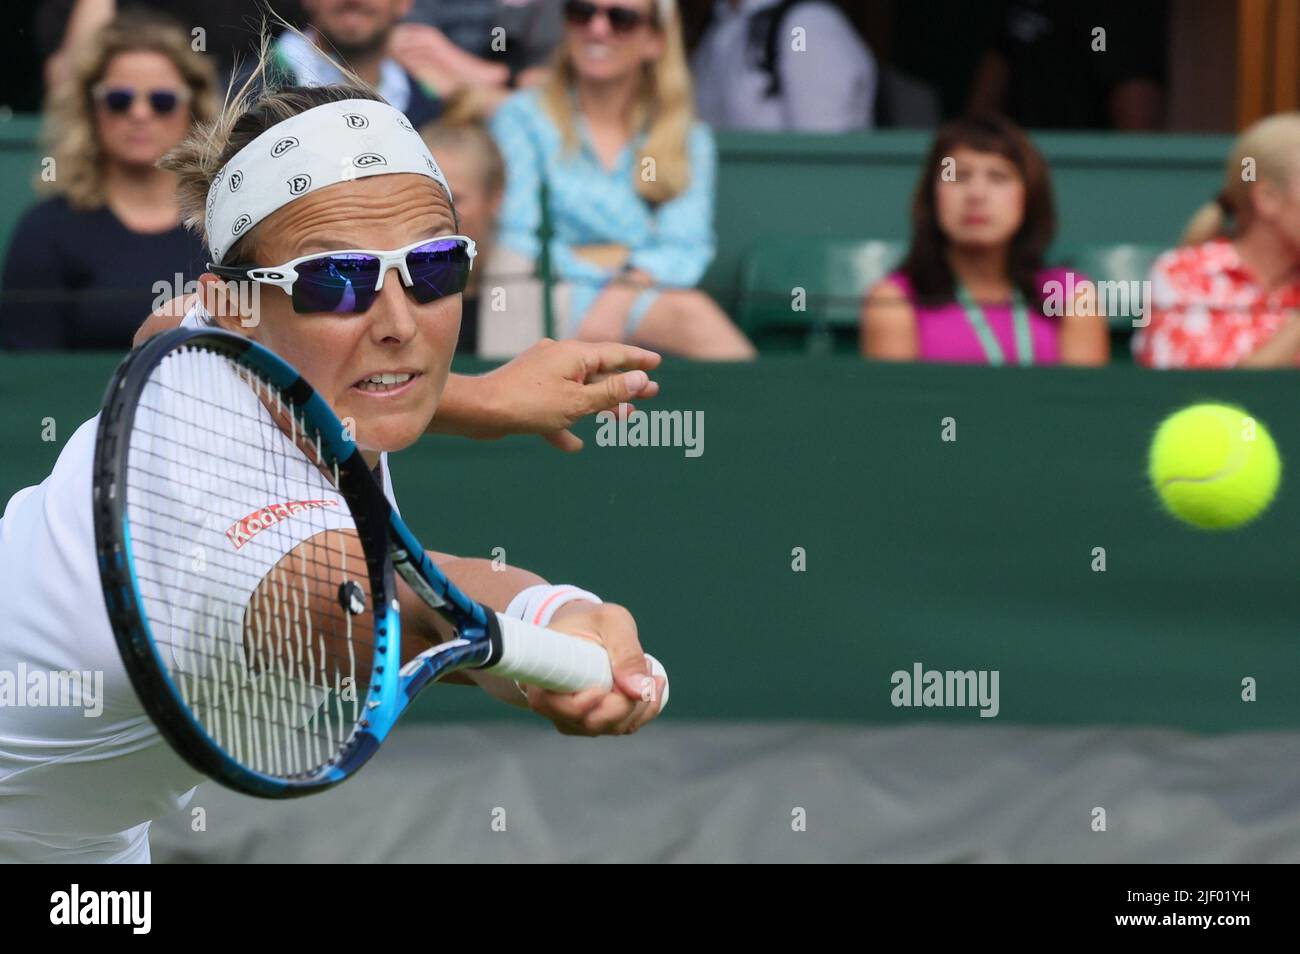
[621, 19]
[348, 282]
[119, 99]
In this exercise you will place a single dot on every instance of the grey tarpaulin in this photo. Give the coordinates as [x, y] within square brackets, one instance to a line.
[713, 792]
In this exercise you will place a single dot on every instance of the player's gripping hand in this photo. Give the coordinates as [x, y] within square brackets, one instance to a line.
[636, 697]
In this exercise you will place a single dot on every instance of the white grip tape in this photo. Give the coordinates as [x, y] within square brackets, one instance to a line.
[555, 661]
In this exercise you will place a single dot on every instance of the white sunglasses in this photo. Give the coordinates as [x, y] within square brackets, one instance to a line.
[348, 281]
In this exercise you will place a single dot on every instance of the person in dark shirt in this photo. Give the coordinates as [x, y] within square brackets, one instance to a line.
[77, 279]
[492, 47]
[1097, 65]
[226, 30]
[356, 33]
[84, 265]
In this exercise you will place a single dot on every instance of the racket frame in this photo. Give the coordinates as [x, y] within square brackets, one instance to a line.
[553, 660]
[144, 664]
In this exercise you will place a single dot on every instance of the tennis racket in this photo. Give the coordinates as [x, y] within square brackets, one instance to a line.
[249, 561]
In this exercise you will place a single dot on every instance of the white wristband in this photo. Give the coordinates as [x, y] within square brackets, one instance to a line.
[537, 604]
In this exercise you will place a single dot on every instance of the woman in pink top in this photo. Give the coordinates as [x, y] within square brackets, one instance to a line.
[973, 288]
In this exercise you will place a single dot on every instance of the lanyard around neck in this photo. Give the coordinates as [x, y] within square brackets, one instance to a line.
[979, 324]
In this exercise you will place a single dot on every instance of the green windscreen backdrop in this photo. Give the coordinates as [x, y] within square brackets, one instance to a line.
[980, 553]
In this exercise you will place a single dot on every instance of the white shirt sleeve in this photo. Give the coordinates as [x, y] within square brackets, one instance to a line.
[829, 84]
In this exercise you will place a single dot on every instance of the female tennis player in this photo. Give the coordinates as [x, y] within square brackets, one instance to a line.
[81, 782]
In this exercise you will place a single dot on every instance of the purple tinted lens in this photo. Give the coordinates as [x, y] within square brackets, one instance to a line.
[438, 269]
[345, 284]
[336, 283]
[119, 100]
[163, 101]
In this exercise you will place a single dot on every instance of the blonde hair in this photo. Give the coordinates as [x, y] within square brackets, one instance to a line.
[71, 129]
[665, 105]
[258, 105]
[1272, 146]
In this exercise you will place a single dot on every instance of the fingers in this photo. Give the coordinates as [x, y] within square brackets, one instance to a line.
[618, 388]
[603, 397]
[609, 712]
[568, 710]
[608, 392]
[643, 710]
[618, 632]
[605, 713]
[591, 712]
[634, 698]
[565, 440]
[646, 709]
[609, 356]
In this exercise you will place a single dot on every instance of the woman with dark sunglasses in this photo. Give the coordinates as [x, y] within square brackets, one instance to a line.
[85, 264]
[326, 215]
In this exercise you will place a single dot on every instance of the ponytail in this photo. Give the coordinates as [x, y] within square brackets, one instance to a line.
[1210, 221]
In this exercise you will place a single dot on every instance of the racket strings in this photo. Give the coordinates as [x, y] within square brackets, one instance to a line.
[211, 620]
[253, 636]
[221, 647]
[178, 555]
[183, 484]
[307, 439]
[311, 448]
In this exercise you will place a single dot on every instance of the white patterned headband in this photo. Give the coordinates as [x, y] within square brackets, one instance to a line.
[325, 145]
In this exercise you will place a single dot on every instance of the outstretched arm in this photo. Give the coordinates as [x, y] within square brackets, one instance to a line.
[300, 595]
[545, 390]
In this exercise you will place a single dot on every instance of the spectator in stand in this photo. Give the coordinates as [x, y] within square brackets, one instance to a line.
[1230, 296]
[630, 179]
[223, 29]
[83, 265]
[476, 173]
[783, 66]
[973, 288]
[1097, 65]
[490, 46]
[358, 33]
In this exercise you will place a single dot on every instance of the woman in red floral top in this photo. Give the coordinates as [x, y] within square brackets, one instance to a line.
[1230, 296]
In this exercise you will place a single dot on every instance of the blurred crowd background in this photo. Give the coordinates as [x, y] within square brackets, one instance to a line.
[580, 139]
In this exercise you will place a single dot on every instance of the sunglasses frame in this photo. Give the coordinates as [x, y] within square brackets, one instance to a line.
[642, 19]
[284, 276]
[100, 93]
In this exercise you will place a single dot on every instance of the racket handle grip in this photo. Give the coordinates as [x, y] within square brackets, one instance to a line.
[557, 661]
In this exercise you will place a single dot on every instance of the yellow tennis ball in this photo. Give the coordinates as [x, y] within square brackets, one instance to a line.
[1214, 466]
